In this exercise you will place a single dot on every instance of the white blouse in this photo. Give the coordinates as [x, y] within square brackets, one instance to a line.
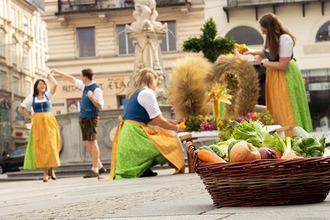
[147, 99]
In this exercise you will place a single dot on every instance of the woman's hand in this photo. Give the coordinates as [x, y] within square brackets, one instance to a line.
[172, 121]
[258, 59]
[180, 128]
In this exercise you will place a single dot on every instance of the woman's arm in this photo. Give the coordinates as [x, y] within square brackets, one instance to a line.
[53, 83]
[281, 65]
[255, 52]
[166, 124]
[285, 54]
[22, 110]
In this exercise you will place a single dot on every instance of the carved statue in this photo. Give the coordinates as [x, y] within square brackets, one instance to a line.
[147, 34]
[145, 15]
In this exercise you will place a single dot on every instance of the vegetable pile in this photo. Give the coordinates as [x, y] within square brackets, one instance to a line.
[250, 140]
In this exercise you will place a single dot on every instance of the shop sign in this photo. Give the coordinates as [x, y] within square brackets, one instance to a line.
[114, 84]
[57, 104]
[319, 86]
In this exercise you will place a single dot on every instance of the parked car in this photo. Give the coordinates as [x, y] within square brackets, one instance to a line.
[11, 161]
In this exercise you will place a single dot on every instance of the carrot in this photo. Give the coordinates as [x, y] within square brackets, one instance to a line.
[278, 153]
[209, 157]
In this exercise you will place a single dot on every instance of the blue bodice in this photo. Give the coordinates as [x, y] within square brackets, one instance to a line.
[41, 106]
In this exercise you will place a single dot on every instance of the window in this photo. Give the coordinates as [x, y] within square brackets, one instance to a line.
[3, 80]
[36, 59]
[13, 17]
[250, 36]
[16, 85]
[36, 33]
[13, 51]
[19, 152]
[27, 89]
[2, 8]
[168, 41]
[318, 92]
[323, 33]
[126, 46]
[120, 101]
[86, 41]
[73, 105]
[25, 24]
[26, 58]
[43, 60]
[2, 44]
[125, 43]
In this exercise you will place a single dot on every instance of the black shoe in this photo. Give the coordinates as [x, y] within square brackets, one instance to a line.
[148, 173]
[102, 170]
[91, 174]
[50, 173]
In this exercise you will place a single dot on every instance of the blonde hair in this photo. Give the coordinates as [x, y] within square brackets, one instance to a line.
[145, 77]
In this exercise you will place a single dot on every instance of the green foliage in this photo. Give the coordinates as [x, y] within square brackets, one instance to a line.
[193, 123]
[210, 45]
[192, 44]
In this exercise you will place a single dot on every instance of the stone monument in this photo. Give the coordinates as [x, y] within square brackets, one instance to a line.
[147, 34]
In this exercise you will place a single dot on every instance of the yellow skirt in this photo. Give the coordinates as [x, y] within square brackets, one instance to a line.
[44, 143]
[286, 98]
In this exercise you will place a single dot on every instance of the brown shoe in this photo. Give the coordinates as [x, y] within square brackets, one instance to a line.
[102, 170]
[91, 174]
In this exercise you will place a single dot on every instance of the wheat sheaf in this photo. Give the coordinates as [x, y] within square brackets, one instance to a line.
[187, 90]
[241, 81]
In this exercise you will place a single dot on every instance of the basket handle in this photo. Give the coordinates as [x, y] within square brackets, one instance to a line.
[191, 151]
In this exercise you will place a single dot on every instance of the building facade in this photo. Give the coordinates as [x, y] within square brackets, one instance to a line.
[91, 34]
[307, 20]
[23, 53]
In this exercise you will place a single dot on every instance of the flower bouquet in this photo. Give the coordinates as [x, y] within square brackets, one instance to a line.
[200, 123]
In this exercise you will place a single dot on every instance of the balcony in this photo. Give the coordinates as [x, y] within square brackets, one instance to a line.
[242, 3]
[256, 4]
[81, 6]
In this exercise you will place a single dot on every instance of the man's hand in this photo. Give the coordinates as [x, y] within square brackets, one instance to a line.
[53, 71]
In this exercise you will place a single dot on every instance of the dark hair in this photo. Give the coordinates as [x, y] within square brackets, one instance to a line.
[275, 29]
[35, 89]
[88, 73]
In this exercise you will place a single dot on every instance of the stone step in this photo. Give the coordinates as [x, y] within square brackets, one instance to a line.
[64, 171]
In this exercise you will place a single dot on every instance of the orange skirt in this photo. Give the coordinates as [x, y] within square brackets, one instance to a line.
[286, 98]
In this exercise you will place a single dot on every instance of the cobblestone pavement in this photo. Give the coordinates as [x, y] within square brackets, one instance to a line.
[165, 197]
[77, 198]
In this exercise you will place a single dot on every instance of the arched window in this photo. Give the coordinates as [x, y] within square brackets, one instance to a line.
[323, 34]
[246, 35]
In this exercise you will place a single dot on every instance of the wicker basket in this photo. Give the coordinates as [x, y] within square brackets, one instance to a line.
[265, 182]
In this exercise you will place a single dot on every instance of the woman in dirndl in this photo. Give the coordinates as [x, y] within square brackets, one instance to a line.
[286, 97]
[138, 146]
[44, 140]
